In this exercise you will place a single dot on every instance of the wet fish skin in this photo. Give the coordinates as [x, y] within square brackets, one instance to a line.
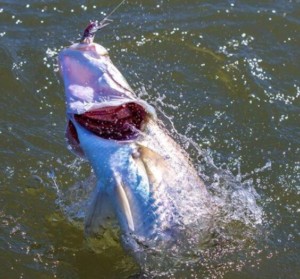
[147, 182]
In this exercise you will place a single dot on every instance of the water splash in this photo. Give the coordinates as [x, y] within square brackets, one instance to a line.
[237, 225]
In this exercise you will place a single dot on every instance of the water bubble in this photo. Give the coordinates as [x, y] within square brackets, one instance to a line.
[83, 7]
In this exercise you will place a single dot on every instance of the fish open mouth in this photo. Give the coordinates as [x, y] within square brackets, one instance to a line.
[122, 122]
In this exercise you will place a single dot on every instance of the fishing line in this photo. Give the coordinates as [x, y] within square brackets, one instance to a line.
[94, 26]
[104, 22]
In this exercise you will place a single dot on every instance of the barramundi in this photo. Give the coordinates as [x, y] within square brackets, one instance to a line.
[145, 180]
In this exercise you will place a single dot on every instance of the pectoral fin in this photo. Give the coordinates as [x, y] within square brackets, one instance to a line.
[124, 203]
[155, 165]
[99, 213]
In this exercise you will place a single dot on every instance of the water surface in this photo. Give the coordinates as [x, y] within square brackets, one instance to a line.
[226, 76]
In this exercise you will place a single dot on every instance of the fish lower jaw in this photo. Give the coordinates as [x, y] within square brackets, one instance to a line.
[122, 122]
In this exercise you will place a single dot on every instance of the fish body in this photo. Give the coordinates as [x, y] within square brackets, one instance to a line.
[144, 178]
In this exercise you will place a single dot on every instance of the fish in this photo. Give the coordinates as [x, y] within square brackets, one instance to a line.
[145, 181]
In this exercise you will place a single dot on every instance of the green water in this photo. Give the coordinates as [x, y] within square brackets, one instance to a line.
[227, 75]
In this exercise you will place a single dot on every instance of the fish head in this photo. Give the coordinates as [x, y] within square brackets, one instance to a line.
[98, 96]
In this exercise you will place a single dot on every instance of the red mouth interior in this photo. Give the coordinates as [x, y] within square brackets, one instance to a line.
[118, 123]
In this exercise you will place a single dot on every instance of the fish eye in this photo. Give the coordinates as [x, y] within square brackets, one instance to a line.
[135, 153]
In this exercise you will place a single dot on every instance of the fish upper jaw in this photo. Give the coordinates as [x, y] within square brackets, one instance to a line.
[90, 78]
